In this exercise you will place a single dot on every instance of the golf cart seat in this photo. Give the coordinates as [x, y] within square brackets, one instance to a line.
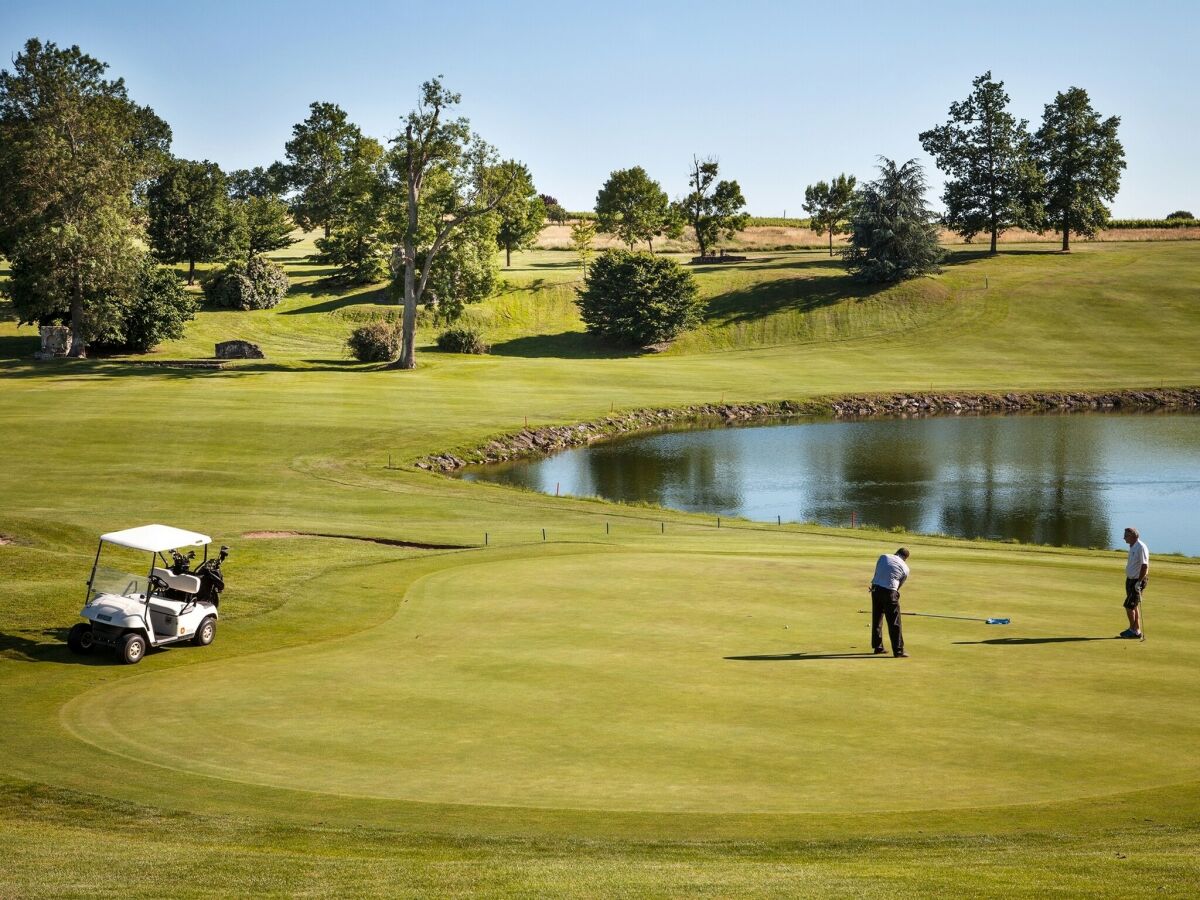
[188, 584]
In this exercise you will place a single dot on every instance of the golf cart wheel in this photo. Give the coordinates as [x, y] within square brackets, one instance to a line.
[206, 632]
[80, 638]
[131, 649]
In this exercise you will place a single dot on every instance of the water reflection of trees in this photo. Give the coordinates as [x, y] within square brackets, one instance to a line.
[1034, 480]
[700, 474]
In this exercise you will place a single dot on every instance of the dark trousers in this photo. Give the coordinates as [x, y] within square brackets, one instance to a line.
[885, 604]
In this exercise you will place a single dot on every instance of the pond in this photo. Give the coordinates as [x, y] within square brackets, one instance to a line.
[1068, 480]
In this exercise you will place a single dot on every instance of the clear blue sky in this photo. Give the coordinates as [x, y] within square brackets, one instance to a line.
[783, 93]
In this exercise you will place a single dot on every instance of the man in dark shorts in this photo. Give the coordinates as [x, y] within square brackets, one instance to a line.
[1136, 570]
[891, 571]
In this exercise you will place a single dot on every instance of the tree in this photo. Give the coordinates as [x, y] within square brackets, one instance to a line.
[638, 299]
[158, 311]
[985, 151]
[828, 205]
[189, 219]
[583, 233]
[555, 211]
[356, 243]
[261, 224]
[714, 209]
[321, 150]
[892, 231]
[74, 152]
[1081, 160]
[522, 215]
[270, 182]
[1181, 214]
[635, 208]
[445, 175]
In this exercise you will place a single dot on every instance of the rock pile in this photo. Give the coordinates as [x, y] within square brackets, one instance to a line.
[552, 438]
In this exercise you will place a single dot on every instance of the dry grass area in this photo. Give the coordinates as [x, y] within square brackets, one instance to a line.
[772, 237]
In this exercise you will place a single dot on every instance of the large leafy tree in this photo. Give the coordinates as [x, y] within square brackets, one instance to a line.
[985, 151]
[74, 152]
[356, 243]
[522, 215]
[444, 176]
[828, 204]
[323, 147]
[715, 209]
[188, 214]
[893, 235]
[634, 207]
[271, 181]
[1081, 161]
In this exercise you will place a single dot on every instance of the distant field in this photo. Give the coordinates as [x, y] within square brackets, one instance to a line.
[639, 704]
[769, 234]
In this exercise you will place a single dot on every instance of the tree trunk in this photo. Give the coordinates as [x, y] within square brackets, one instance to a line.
[1066, 229]
[650, 244]
[191, 271]
[408, 359]
[995, 238]
[831, 240]
[326, 231]
[507, 256]
[78, 342]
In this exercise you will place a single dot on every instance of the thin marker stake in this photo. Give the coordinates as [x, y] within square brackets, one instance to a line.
[606, 528]
[485, 539]
[779, 520]
[543, 534]
[664, 527]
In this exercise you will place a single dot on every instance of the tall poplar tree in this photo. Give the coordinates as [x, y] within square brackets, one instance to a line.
[1081, 161]
[985, 151]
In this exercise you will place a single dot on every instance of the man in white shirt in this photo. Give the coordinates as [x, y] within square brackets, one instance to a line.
[1136, 570]
[891, 571]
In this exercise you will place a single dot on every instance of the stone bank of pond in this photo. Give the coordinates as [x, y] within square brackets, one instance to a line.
[1064, 479]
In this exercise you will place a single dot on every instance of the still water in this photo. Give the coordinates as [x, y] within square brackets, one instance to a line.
[1069, 480]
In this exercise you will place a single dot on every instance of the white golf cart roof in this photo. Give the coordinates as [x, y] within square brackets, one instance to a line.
[156, 538]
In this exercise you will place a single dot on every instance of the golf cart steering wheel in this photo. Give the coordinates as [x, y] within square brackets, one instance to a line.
[157, 584]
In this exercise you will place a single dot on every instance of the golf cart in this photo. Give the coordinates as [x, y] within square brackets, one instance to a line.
[167, 605]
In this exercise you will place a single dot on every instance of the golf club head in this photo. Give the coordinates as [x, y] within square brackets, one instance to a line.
[997, 621]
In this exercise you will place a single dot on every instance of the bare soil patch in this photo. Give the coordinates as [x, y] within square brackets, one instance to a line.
[387, 542]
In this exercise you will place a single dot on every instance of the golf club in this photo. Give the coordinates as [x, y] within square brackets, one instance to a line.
[992, 621]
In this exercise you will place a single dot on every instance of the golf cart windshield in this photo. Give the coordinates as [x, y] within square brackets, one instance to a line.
[122, 584]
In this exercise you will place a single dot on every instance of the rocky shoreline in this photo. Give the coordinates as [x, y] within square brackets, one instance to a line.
[553, 438]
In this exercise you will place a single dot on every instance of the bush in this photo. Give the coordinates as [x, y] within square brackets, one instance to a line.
[377, 341]
[463, 339]
[156, 309]
[638, 299]
[260, 284]
[1181, 214]
[159, 310]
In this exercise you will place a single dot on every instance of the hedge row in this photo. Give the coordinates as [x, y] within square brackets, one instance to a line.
[1153, 223]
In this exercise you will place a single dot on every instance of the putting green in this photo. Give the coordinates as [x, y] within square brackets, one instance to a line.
[618, 679]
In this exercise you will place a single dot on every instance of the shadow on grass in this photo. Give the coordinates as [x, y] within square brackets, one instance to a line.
[565, 345]
[788, 657]
[799, 294]
[29, 649]
[376, 297]
[1021, 642]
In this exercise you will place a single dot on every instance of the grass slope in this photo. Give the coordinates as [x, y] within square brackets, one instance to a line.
[562, 717]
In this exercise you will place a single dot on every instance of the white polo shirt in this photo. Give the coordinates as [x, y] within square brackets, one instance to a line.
[1139, 556]
[890, 572]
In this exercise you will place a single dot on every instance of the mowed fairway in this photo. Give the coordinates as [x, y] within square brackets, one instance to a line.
[639, 703]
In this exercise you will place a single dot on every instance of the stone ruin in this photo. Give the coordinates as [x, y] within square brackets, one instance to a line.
[56, 342]
[239, 350]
